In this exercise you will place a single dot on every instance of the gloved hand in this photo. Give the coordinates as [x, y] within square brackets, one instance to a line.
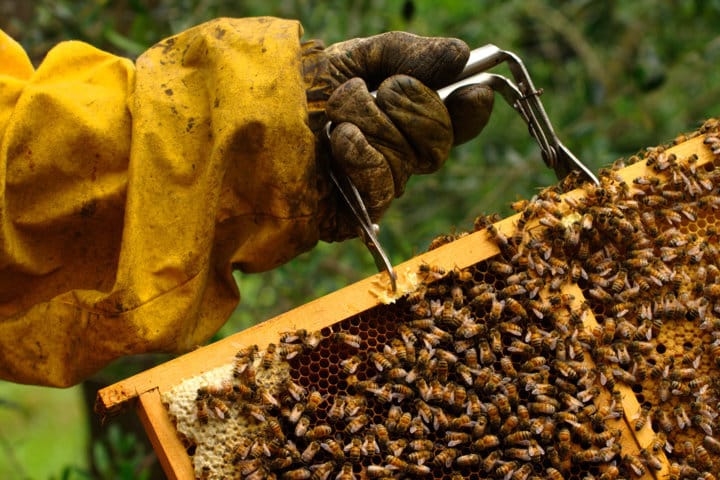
[406, 130]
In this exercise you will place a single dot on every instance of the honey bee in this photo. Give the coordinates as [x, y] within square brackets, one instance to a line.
[513, 290]
[469, 460]
[297, 474]
[417, 470]
[202, 410]
[377, 471]
[273, 427]
[505, 245]
[445, 457]
[396, 373]
[318, 432]
[269, 356]
[704, 424]
[401, 391]
[624, 376]
[448, 314]
[297, 392]
[541, 408]
[310, 451]
[422, 311]
[607, 437]
[663, 420]
[346, 472]
[313, 401]
[421, 444]
[218, 407]
[293, 336]
[350, 365]
[247, 353]
[590, 455]
[382, 436]
[712, 444]
[334, 449]
[457, 295]
[397, 351]
[501, 268]
[242, 450]
[506, 364]
[505, 470]
[496, 309]
[459, 397]
[267, 398]
[486, 355]
[257, 411]
[393, 462]
[520, 437]
[534, 364]
[246, 467]
[518, 346]
[457, 438]
[523, 472]
[493, 414]
[441, 335]
[322, 471]
[612, 472]
[403, 423]
[465, 373]
[246, 373]
[659, 443]
[382, 394]
[260, 448]
[622, 354]
[348, 339]
[681, 417]
[432, 271]
[588, 394]
[311, 340]
[301, 427]
[512, 393]
[470, 330]
[288, 351]
[600, 294]
[357, 423]
[370, 445]
[651, 460]
[554, 474]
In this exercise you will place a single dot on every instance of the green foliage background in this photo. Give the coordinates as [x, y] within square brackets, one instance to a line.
[617, 76]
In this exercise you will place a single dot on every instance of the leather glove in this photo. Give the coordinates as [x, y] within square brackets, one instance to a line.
[405, 130]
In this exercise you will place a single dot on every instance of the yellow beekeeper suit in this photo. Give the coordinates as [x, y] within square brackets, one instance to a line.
[129, 192]
[122, 211]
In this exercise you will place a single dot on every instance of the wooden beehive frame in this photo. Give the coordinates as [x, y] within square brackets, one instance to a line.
[146, 388]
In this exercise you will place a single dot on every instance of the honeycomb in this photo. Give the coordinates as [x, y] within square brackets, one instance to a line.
[499, 370]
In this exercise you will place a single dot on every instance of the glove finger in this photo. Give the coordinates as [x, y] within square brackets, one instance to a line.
[423, 119]
[470, 108]
[366, 167]
[435, 61]
[351, 102]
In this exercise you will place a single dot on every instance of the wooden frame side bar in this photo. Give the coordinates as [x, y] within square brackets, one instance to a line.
[171, 453]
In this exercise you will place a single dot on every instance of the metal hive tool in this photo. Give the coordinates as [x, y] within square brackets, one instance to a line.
[633, 312]
[521, 95]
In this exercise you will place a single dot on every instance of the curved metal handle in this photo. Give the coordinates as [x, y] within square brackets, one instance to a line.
[525, 99]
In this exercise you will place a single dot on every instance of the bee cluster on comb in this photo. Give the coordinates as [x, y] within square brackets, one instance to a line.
[516, 368]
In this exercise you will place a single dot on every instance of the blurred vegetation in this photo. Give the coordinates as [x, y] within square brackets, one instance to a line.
[617, 76]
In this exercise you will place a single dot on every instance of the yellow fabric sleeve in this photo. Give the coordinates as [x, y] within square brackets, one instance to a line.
[129, 192]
